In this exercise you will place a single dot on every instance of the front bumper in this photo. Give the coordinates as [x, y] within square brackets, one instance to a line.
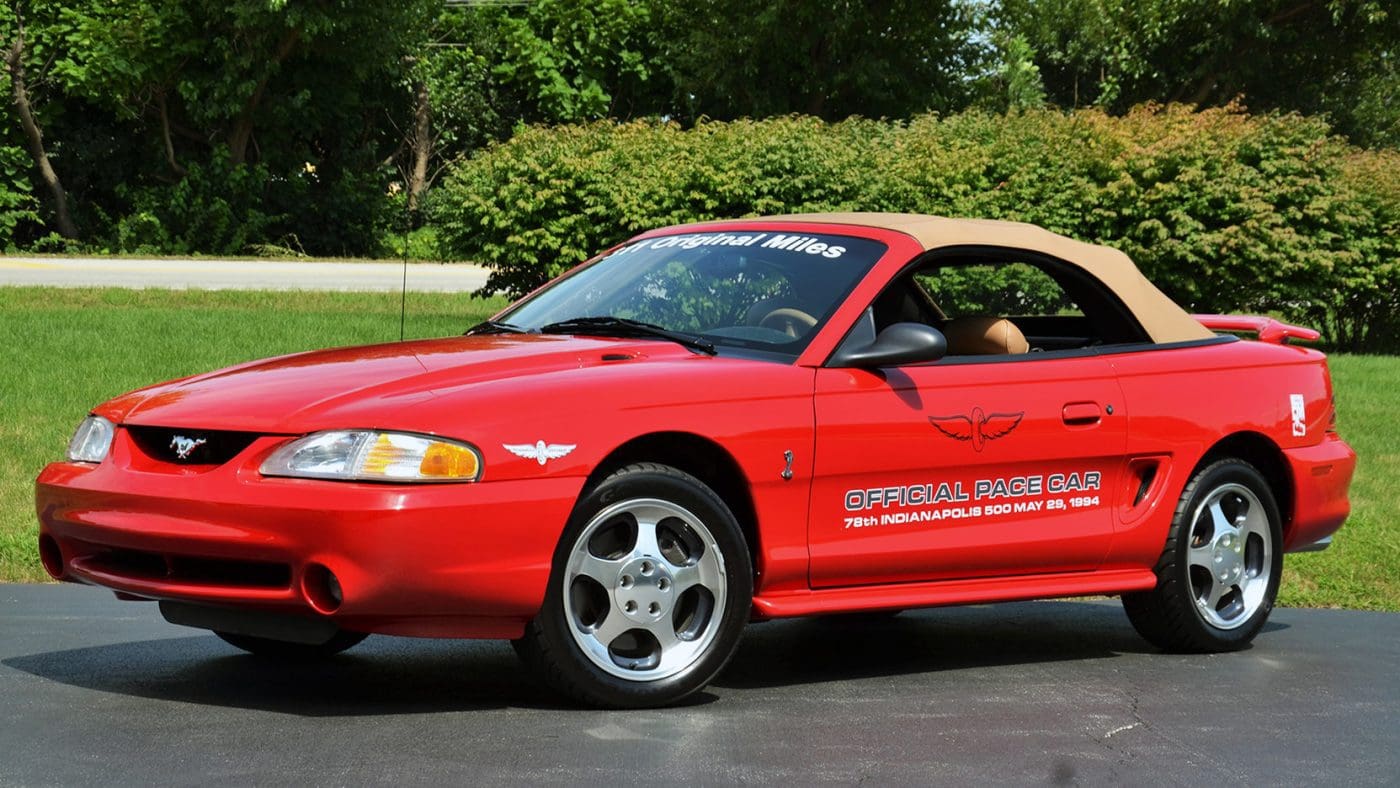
[449, 560]
[1321, 478]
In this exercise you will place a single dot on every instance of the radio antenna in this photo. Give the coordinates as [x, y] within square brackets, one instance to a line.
[403, 292]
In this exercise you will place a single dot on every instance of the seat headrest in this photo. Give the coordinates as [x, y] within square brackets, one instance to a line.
[980, 336]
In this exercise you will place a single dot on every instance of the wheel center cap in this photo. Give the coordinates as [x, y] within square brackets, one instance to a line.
[1229, 558]
[645, 590]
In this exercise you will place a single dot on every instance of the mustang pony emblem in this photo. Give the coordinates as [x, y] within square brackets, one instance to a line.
[539, 450]
[979, 427]
[184, 447]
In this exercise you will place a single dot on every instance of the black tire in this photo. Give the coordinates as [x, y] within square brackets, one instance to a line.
[566, 643]
[1177, 615]
[288, 651]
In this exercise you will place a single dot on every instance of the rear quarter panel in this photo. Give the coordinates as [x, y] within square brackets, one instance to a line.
[1180, 402]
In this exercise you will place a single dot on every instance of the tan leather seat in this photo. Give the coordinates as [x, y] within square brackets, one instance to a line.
[982, 336]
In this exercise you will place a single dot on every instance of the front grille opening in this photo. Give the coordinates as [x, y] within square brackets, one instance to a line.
[192, 570]
[198, 447]
[132, 563]
[231, 573]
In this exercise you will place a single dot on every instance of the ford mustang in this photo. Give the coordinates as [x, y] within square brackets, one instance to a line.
[716, 424]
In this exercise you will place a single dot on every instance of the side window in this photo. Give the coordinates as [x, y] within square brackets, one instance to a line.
[996, 290]
[1014, 306]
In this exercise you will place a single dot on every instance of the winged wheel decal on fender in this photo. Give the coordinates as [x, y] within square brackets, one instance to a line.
[539, 450]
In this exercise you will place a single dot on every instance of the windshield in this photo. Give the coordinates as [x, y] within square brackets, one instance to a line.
[759, 290]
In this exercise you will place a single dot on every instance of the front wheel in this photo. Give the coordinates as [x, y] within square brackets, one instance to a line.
[651, 588]
[1219, 574]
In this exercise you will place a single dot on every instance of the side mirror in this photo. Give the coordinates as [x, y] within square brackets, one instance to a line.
[901, 343]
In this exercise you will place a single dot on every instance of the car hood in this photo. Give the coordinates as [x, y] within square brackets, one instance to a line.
[291, 394]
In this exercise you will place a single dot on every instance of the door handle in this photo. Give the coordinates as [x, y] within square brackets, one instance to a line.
[1081, 414]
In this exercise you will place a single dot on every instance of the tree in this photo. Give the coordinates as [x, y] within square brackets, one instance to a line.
[1013, 82]
[283, 103]
[18, 49]
[481, 70]
[458, 102]
[579, 59]
[735, 58]
[1310, 56]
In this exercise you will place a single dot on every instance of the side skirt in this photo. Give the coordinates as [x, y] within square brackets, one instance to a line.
[951, 592]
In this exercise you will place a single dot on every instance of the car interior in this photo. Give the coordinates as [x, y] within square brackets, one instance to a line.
[989, 305]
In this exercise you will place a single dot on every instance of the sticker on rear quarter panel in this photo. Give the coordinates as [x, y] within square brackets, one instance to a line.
[1300, 424]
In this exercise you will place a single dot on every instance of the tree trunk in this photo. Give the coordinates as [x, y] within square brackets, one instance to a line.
[33, 135]
[165, 137]
[422, 144]
[242, 131]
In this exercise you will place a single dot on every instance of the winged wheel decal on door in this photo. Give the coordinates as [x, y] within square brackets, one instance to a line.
[979, 427]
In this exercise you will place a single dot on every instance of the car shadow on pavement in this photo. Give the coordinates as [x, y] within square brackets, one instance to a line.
[830, 648]
[383, 675]
[389, 675]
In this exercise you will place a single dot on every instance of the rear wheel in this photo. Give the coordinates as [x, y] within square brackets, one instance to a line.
[282, 649]
[1218, 576]
[650, 591]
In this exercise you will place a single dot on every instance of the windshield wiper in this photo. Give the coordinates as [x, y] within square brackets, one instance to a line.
[622, 327]
[494, 327]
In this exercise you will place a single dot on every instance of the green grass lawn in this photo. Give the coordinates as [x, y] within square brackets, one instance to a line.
[66, 350]
[1362, 568]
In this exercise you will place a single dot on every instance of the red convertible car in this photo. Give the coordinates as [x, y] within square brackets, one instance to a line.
[721, 423]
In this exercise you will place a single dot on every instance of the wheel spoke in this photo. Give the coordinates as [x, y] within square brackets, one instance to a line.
[646, 538]
[687, 577]
[614, 624]
[1254, 522]
[603, 570]
[705, 572]
[1243, 581]
[1221, 522]
[1218, 590]
[1202, 556]
[711, 575]
[665, 634]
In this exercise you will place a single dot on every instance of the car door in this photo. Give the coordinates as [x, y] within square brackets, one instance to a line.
[979, 465]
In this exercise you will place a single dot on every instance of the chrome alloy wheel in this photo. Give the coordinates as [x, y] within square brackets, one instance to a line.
[1229, 556]
[644, 588]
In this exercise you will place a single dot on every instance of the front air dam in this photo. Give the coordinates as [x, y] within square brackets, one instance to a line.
[310, 630]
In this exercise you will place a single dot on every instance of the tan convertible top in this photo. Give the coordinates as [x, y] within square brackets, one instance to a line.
[1163, 320]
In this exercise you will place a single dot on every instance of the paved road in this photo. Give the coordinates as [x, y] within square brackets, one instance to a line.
[95, 691]
[238, 274]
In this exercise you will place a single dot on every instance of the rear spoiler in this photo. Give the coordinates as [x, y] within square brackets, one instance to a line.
[1266, 328]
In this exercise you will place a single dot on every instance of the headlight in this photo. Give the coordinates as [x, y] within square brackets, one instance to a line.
[361, 455]
[92, 441]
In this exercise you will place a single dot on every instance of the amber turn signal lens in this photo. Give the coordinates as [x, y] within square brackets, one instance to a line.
[448, 461]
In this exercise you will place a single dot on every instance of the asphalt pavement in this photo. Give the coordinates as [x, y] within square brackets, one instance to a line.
[238, 274]
[96, 691]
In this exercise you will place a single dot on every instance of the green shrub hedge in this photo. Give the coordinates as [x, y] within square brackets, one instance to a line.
[1225, 211]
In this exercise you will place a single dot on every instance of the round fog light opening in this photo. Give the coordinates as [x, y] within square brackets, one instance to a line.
[322, 588]
[51, 556]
